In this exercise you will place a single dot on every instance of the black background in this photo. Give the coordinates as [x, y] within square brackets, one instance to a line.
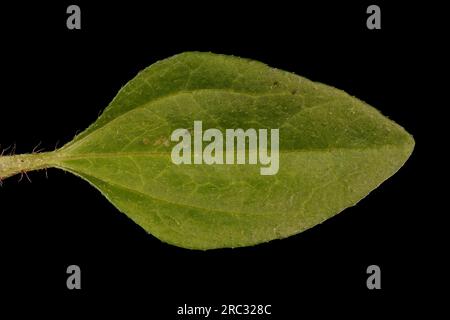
[55, 83]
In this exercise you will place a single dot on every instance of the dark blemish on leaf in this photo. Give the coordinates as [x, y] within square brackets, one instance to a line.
[275, 84]
[294, 91]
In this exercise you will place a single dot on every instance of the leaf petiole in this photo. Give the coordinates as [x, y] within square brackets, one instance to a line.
[22, 163]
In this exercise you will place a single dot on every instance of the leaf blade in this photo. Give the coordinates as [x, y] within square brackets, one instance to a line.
[323, 131]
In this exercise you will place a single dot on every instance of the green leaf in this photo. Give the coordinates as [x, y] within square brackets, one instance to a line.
[333, 150]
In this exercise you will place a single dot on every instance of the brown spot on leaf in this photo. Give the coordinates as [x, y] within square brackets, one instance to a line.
[162, 141]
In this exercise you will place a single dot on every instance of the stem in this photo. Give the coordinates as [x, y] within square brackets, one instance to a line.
[12, 165]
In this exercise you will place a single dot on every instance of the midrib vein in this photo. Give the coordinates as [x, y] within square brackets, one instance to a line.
[63, 157]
